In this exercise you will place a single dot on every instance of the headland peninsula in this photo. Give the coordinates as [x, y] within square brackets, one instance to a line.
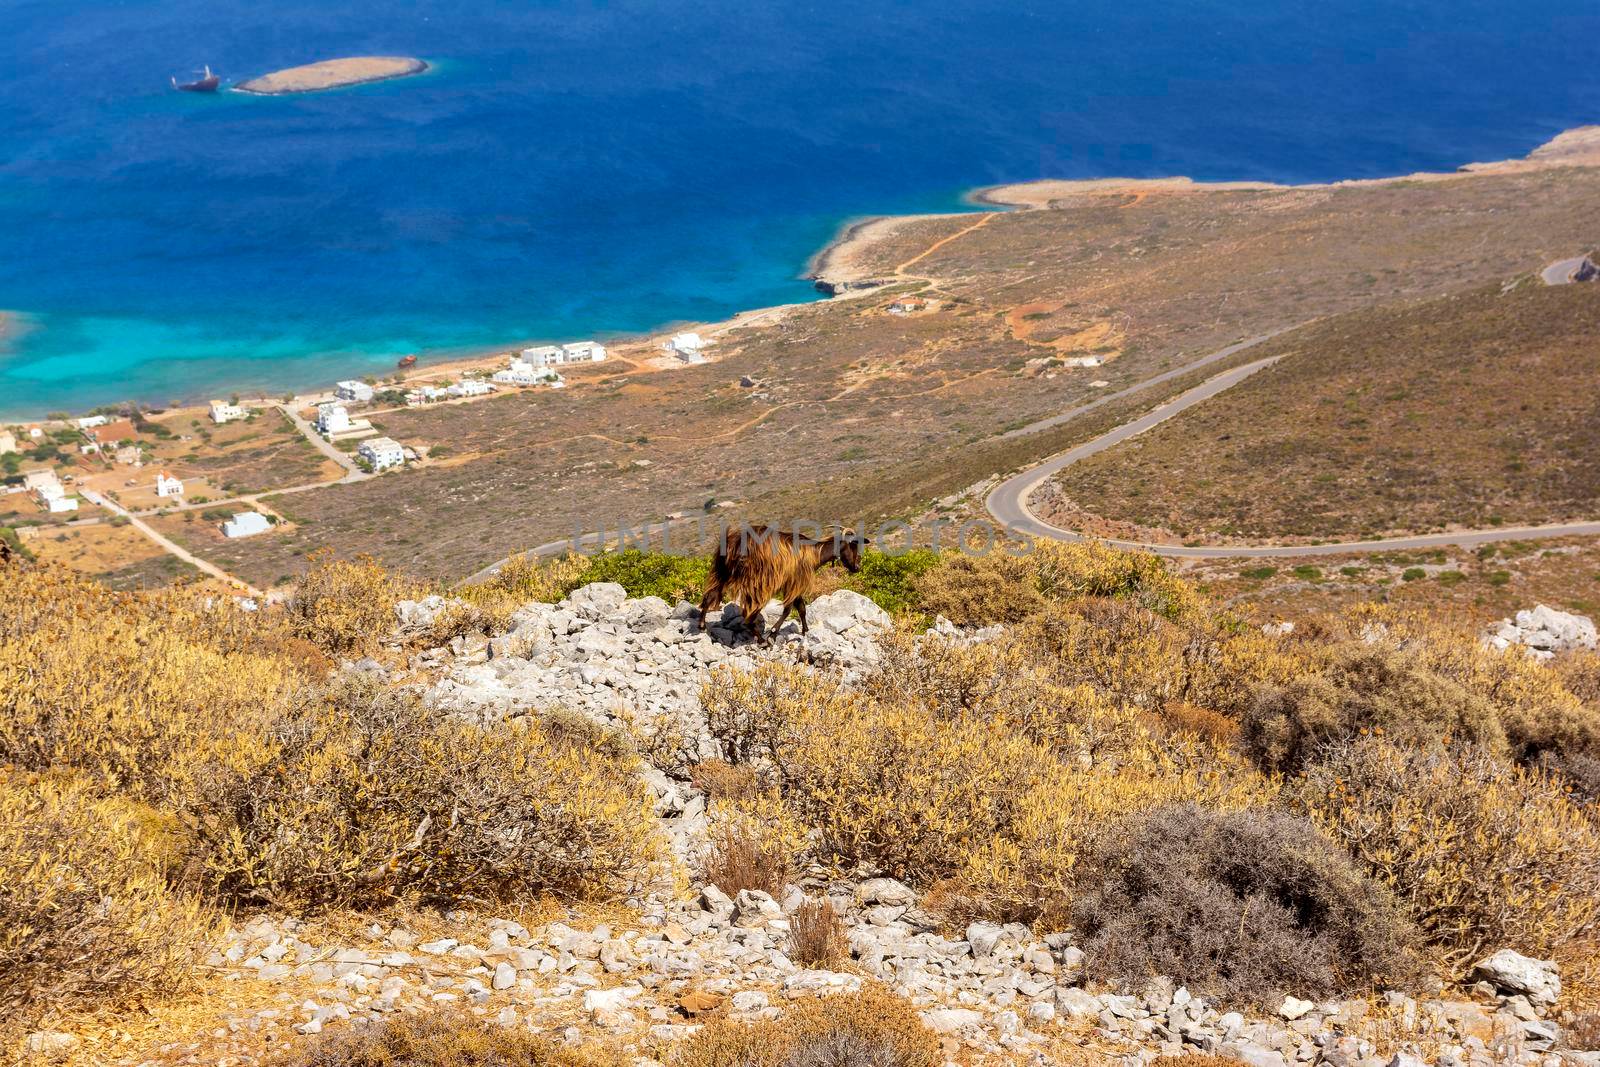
[333, 74]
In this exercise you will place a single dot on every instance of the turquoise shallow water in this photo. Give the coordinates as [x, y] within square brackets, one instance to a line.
[589, 169]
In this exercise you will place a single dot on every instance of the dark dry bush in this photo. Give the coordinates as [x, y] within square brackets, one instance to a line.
[1366, 688]
[1249, 904]
[440, 1039]
[739, 859]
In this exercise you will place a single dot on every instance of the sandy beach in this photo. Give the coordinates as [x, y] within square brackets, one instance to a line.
[840, 259]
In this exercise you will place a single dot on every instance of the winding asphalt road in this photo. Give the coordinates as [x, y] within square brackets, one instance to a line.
[1008, 502]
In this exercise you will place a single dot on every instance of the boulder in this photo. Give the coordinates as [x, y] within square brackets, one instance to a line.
[885, 891]
[1511, 972]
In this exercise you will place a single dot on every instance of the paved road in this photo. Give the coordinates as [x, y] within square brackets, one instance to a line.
[1560, 272]
[1164, 376]
[167, 543]
[1008, 502]
[353, 473]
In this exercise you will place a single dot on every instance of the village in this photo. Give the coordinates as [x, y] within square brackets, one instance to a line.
[100, 491]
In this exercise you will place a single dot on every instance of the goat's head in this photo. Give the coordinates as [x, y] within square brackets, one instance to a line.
[847, 546]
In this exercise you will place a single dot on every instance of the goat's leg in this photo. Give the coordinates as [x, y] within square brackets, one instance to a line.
[784, 614]
[800, 613]
[712, 599]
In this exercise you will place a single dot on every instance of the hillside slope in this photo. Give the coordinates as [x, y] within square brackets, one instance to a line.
[1466, 411]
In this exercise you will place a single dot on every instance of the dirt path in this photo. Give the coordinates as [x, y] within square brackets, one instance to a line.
[168, 545]
[983, 220]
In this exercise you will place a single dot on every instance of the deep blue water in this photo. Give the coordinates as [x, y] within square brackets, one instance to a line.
[592, 168]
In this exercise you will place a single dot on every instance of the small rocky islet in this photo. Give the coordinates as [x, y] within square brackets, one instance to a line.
[332, 74]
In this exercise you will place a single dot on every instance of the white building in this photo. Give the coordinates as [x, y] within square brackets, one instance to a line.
[382, 452]
[167, 485]
[246, 524]
[47, 489]
[583, 352]
[222, 412]
[428, 394]
[521, 372]
[907, 306]
[8, 442]
[470, 387]
[1083, 361]
[543, 355]
[687, 347]
[354, 391]
[89, 422]
[332, 419]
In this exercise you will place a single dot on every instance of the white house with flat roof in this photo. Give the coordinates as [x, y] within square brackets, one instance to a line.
[332, 419]
[583, 352]
[382, 452]
[89, 422]
[521, 372]
[34, 479]
[428, 394]
[687, 346]
[246, 524]
[354, 391]
[470, 387]
[543, 355]
[222, 411]
[167, 485]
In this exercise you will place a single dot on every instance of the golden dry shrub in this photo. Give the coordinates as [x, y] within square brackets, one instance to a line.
[754, 842]
[86, 917]
[901, 785]
[1482, 854]
[346, 606]
[137, 692]
[1124, 651]
[368, 795]
[1534, 707]
[521, 579]
[872, 1028]
[1367, 687]
[975, 590]
[442, 1039]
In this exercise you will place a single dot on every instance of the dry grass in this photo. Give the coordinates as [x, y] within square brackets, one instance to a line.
[742, 858]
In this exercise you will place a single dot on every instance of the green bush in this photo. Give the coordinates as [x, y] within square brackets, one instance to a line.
[1248, 904]
[670, 577]
[889, 580]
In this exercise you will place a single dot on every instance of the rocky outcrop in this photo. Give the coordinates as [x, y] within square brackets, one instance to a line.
[1543, 632]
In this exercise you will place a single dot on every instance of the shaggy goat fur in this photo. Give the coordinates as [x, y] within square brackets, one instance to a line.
[755, 564]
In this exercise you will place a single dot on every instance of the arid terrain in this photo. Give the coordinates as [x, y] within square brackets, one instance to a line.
[1463, 411]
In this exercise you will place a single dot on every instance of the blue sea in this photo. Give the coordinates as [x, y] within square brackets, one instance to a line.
[597, 168]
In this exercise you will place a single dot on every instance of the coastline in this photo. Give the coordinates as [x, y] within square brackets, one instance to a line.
[838, 267]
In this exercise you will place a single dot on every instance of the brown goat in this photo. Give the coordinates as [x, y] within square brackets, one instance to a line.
[755, 564]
